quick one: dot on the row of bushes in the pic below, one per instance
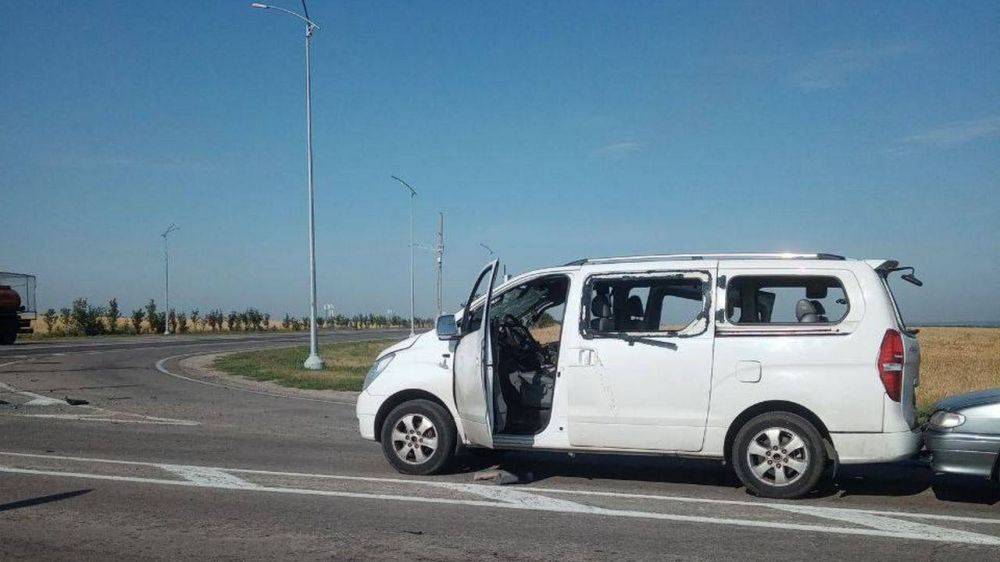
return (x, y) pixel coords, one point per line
(84, 319)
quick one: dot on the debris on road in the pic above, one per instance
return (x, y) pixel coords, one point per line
(503, 477)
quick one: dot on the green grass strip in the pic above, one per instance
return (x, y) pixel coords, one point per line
(346, 365)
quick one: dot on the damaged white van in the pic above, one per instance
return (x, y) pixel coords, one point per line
(779, 364)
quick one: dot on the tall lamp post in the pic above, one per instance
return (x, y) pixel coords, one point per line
(166, 278)
(413, 195)
(490, 255)
(312, 362)
(439, 254)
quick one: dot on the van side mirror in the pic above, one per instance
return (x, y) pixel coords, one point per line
(447, 328)
(912, 279)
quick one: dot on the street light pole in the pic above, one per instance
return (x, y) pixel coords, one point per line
(313, 362)
(491, 254)
(166, 279)
(440, 264)
(413, 195)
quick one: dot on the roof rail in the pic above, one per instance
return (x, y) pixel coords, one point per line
(737, 256)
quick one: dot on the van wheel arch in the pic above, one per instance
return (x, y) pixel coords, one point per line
(399, 398)
(776, 406)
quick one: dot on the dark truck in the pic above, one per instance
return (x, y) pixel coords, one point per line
(17, 305)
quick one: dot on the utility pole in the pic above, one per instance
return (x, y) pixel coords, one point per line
(439, 251)
(166, 278)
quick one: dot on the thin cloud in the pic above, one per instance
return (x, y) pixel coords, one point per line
(959, 132)
(618, 149)
(834, 67)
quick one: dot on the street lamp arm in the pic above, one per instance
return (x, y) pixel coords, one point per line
(413, 192)
(312, 25)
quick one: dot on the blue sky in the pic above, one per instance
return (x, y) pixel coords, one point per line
(548, 130)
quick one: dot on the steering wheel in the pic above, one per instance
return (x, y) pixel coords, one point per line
(524, 348)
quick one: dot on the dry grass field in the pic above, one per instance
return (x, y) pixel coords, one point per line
(957, 360)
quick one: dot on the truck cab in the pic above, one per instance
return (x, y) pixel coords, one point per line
(17, 305)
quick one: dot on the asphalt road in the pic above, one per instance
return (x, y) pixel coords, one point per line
(157, 466)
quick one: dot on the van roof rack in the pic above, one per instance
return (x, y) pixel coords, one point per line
(737, 256)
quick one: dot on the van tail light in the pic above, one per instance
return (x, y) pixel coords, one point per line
(890, 364)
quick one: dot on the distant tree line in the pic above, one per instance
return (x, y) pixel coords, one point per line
(84, 319)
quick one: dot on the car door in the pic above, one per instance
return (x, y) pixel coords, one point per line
(638, 381)
(473, 364)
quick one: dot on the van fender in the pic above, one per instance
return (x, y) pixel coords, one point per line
(778, 406)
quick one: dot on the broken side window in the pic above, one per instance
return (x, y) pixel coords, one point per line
(646, 304)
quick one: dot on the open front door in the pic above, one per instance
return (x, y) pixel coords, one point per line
(474, 363)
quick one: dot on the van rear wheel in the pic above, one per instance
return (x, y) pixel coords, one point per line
(418, 437)
(779, 455)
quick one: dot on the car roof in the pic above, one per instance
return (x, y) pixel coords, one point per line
(812, 256)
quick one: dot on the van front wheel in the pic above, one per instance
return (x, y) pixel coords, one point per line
(418, 437)
(779, 455)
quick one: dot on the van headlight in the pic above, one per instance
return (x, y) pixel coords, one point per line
(377, 369)
(946, 420)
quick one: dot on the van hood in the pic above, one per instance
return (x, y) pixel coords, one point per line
(400, 346)
(970, 400)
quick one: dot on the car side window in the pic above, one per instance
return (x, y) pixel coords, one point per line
(645, 304)
(785, 299)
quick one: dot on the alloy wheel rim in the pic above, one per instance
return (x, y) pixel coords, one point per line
(414, 438)
(777, 456)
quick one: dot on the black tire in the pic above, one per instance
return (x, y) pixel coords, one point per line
(8, 337)
(419, 421)
(801, 465)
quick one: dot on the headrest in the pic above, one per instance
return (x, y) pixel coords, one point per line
(600, 308)
(634, 306)
(805, 307)
(818, 306)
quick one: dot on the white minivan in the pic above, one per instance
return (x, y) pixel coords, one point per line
(779, 364)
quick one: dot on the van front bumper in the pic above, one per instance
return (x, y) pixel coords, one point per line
(366, 409)
(863, 448)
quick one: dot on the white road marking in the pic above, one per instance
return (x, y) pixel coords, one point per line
(45, 401)
(513, 496)
(762, 503)
(36, 399)
(99, 415)
(964, 537)
(208, 477)
(889, 524)
(106, 418)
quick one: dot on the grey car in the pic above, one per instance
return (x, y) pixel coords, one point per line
(963, 435)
